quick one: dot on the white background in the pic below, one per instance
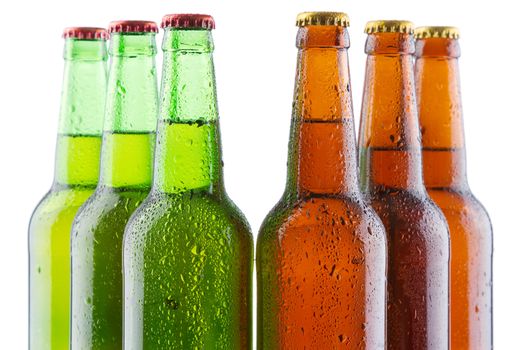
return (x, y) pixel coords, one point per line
(255, 61)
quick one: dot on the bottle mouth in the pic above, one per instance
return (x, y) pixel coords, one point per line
(390, 43)
(320, 36)
(437, 41)
(438, 48)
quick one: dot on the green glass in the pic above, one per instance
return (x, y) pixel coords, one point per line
(76, 174)
(125, 180)
(188, 250)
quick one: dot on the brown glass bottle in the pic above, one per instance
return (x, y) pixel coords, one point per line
(444, 169)
(391, 178)
(321, 250)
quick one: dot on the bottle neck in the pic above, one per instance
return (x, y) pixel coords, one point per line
(390, 149)
(188, 149)
(81, 112)
(131, 112)
(440, 113)
(322, 153)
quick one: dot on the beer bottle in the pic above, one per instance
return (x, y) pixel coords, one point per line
(392, 180)
(76, 173)
(125, 180)
(444, 169)
(188, 249)
(321, 250)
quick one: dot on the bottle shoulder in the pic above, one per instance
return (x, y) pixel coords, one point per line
(463, 211)
(59, 200)
(169, 213)
(106, 199)
(54, 214)
(457, 200)
(107, 209)
(403, 202)
(345, 213)
(412, 213)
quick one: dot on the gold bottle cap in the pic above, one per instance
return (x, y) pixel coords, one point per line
(322, 19)
(389, 26)
(436, 32)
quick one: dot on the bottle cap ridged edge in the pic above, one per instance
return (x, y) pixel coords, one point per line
(389, 26)
(445, 32)
(322, 19)
(85, 33)
(133, 27)
(188, 21)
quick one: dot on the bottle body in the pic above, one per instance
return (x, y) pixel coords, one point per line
(470, 268)
(418, 272)
(125, 181)
(188, 274)
(320, 270)
(321, 250)
(391, 178)
(49, 266)
(76, 168)
(96, 268)
(444, 162)
(188, 249)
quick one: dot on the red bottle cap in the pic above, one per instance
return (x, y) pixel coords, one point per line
(86, 33)
(189, 21)
(133, 27)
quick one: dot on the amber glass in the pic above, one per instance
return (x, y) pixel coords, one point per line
(444, 168)
(321, 250)
(391, 178)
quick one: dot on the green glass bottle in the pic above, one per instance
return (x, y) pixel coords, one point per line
(76, 174)
(125, 181)
(188, 250)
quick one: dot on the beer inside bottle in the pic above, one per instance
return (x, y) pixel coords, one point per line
(391, 178)
(125, 180)
(444, 169)
(76, 174)
(321, 251)
(188, 249)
